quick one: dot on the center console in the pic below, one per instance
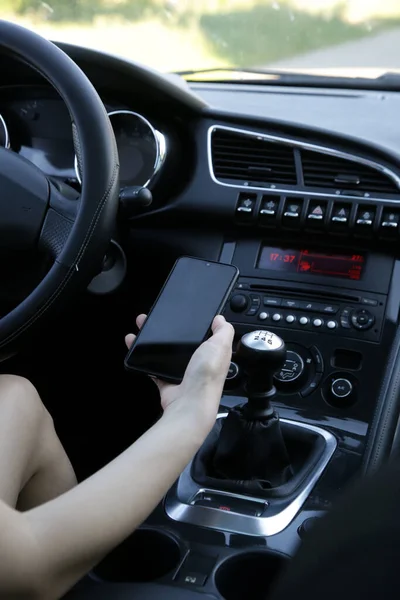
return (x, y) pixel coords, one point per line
(228, 536)
(337, 313)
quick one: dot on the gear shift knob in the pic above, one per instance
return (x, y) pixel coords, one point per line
(260, 353)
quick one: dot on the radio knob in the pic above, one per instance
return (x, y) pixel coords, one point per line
(362, 319)
(239, 303)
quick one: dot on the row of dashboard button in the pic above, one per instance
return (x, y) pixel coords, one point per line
(327, 309)
(303, 320)
(339, 216)
(239, 303)
(349, 317)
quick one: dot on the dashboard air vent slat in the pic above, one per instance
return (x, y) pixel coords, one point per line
(326, 171)
(240, 157)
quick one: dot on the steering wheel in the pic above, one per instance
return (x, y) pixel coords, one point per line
(34, 215)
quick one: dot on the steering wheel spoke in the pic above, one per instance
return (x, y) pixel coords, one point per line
(23, 202)
(58, 222)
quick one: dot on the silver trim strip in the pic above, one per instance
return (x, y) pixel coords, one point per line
(6, 134)
(275, 520)
(160, 141)
(306, 146)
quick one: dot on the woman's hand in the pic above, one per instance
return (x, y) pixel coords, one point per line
(199, 394)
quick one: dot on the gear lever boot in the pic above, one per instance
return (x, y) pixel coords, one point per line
(249, 447)
(252, 450)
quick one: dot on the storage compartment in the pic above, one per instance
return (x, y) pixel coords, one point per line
(146, 555)
(249, 575)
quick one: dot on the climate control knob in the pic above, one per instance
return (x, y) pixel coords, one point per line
(292, 369)
(239, 303)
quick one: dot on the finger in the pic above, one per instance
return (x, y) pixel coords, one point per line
(140, 320)
(222, 330)
(129, 339)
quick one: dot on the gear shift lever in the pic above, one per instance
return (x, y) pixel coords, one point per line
(249, 451)
(261, 354)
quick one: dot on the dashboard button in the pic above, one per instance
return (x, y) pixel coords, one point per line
(340, 216)
(330, 309)
(272, 301)
(316, 213)
(307, 305)
(304, 320)
(389, 224)
(290, 319)
(317, 322)
(317, 358)
(292, 211)
(239, 302)
(262, 316)
(276, 317)
(341, 388)
(369, 301)
(191, 578)
(345, 317)
(345, 323)
(288, 303)
(245, 206)
(269, 210)
(255, 299)
(331, 324)
(365, 218)
(253, 310)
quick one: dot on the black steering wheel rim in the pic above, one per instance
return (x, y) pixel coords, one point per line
(77, 241)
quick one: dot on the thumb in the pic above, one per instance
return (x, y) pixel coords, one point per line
(223, 331)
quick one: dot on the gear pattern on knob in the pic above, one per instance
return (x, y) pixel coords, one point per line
(262, 340)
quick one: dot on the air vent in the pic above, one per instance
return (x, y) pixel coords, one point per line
(325, 171)
(252, 159)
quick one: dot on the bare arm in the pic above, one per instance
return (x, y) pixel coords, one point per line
(58, 542)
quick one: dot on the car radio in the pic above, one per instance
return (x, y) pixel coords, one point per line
(351, 315)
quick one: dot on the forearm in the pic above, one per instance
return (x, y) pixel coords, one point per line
(77, 529)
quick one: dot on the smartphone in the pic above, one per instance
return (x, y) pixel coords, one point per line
(180, 320)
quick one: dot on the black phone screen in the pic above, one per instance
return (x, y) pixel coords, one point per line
(180, 319)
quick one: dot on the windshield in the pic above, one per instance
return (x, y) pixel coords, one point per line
(329, 37)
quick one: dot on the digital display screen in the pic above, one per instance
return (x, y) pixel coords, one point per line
(309, 262)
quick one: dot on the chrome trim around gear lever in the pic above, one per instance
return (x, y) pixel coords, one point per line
(278, 514)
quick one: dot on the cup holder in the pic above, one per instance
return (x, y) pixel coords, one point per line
(148, 554)
(249, 575)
